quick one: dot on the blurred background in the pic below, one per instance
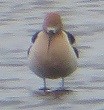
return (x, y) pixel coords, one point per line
(19, 20)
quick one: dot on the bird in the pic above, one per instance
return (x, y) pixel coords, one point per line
(52, 54)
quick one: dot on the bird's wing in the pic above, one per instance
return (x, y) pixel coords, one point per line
(34, 37)
(33, 40)
(70, 37)
(72, 41)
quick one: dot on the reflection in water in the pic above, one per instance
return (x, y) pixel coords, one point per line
(19, 20)
(52, 98)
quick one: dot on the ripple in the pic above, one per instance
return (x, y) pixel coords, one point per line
(42, 3)
(12, 65)
(90, 101)
(9, 102)
(89, 1)
(12, 88)
(12, 79)
(94, 66)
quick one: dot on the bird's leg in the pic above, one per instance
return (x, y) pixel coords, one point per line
(62, 86)
(44, 83)
(45, 87)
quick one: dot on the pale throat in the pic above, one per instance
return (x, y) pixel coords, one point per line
(52, 33)
(52, 29)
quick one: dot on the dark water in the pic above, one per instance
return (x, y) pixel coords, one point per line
(19, 20)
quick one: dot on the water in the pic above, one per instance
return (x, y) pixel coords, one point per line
(19, 20)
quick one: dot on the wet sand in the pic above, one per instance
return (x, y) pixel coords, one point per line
(18, 22)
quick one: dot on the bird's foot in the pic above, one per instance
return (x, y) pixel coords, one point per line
(63, 89)
(44, 89)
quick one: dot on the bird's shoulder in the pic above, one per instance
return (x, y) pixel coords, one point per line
(71, 38)
(34, 37)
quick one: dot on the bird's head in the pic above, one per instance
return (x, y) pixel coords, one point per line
(52, 24)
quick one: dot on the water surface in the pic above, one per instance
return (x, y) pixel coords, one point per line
(19, 20)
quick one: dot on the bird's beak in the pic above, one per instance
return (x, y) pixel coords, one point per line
(51, 30)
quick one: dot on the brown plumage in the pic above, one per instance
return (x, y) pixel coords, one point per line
(51, 55)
